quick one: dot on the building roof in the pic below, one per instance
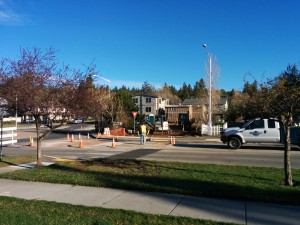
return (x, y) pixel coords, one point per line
(150, 96)
(146, 95)
(202, 101)
(178, 106)
(222, 101)
(194, 101)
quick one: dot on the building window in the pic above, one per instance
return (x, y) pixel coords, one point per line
(159, 101)
(148, 109)
(148, 100)
(136, 100)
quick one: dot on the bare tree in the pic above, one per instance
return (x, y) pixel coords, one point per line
(44, 91)
(98, 104)
(165, 92)
(279, 98)
(282, 95)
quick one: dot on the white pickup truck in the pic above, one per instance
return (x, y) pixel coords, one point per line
(257, 131)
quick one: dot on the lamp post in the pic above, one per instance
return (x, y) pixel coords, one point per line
(1, 136)
(95, 75)
(209, 127)
(16, 112)
(101, 77)
(2, 110)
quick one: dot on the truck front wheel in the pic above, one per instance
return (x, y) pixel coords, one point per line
(234, 143)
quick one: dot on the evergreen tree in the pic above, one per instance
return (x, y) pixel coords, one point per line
(185, 92)
(199, 90)
(147, 88)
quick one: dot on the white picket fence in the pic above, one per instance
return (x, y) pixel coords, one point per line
(8, 134)
(215, 130)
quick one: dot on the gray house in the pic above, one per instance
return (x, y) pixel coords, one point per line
(150, 104)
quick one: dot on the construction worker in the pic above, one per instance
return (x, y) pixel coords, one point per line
(143, 133)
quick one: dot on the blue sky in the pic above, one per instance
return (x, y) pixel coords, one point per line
(159, 41)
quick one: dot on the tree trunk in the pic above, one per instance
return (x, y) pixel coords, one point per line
(39, 161)
(287, 159)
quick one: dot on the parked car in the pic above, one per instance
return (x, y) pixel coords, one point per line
(77, 120)
(28, 121)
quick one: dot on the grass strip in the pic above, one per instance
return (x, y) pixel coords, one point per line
(27, 212)
(219, 181)
(16, 160)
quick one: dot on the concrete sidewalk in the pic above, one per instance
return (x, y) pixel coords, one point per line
(155, 203)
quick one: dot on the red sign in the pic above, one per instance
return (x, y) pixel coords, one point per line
(134, 114)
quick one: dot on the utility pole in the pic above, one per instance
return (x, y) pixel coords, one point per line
(16, 112)
(1, 136)
(209, 126)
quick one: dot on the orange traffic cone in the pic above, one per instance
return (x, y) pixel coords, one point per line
(88, 136)
(98, 135)
(79, 136)
(68, 137)
(113, 144)
(80, 144)
(173, 141)
(72, 137)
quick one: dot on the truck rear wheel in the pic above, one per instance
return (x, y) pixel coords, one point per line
(234, 143)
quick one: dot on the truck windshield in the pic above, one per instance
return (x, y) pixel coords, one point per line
(247, 123)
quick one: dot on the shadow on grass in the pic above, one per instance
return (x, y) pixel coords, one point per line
(175, 178)
(13, 164)
(8, 163)
(116, 162)
(134, 154)
(174, 185)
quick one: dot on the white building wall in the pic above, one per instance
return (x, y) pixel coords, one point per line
(144, 104)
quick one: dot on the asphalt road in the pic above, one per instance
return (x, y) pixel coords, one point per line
(185, 150)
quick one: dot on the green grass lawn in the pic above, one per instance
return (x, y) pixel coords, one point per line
(17, 211)
(16, 160)
(220, 181)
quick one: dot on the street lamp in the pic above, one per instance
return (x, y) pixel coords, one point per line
(107, 80)
(16, 112)
(209, 127)
(96, 75)
(1, 135)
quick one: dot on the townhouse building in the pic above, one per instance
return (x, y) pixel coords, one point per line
(150, 104)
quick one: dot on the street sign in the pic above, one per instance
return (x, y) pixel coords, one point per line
(134, 114)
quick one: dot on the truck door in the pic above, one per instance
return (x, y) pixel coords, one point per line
(273, 131)
(256, 132)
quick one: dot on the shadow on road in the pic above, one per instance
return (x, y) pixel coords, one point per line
(135, 154)
(269, 147)
(244, 147)
(209, 146)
